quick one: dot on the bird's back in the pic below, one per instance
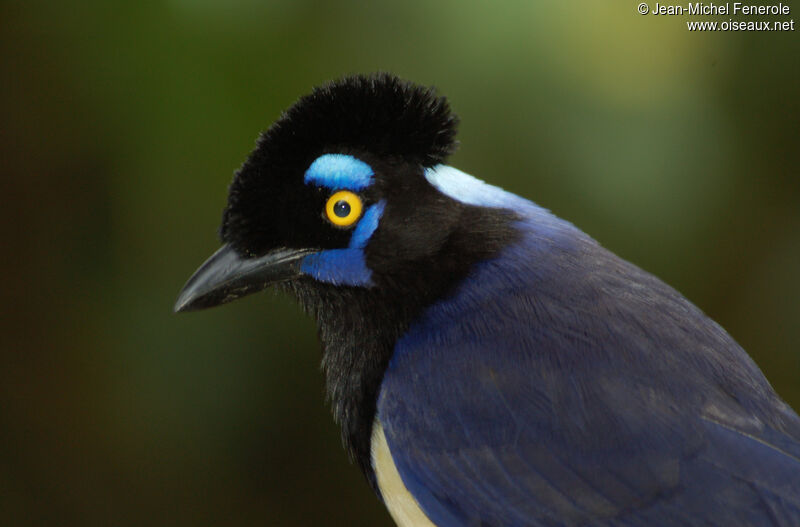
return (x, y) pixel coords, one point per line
(561, 385)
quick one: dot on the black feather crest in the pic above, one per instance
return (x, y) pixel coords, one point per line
(378, 113)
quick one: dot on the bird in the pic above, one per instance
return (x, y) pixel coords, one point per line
(489, 363)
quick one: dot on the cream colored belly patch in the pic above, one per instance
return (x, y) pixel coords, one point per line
(402, 506)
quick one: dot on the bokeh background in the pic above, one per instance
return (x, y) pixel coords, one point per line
(121, 124)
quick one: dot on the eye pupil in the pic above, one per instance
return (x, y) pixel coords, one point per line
(341, 208)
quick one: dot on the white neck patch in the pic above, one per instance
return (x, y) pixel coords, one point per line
(470, 190)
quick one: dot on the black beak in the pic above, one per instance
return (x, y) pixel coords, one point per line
(227, 276)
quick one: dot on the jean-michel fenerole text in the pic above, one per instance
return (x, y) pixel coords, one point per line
(728, 8)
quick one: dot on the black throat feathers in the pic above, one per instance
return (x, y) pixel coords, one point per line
(358, 327)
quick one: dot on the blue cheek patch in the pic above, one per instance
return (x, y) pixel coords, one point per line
(337, 171)
(347, 266)
(338, 267)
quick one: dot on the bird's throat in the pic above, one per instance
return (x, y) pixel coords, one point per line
(359, 326)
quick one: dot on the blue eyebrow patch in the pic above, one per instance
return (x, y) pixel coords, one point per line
(336, 171)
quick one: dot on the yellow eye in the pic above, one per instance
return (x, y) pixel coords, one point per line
(343, 208)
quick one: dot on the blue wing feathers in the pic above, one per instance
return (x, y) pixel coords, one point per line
(562, 386)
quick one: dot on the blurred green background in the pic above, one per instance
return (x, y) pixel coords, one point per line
(122, 124)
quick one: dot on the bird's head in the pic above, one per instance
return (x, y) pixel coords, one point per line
(346, 203)
(338, 192)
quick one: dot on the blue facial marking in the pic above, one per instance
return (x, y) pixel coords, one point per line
(338, 267)
(337, 171)
(347, 266)
(367, 225)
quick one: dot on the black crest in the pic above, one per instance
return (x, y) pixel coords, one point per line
(376, 114)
